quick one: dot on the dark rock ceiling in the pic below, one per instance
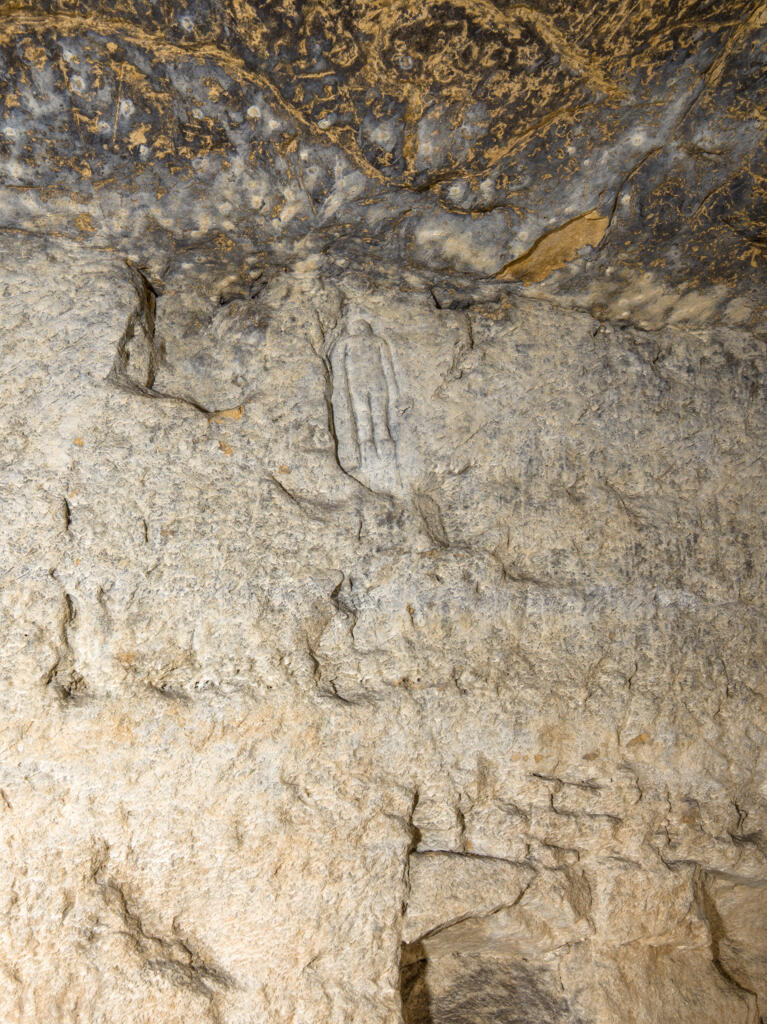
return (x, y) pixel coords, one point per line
(609, 154)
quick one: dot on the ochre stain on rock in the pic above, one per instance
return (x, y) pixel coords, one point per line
(463, 122)
(556, 248)
(85, 223)
(229, 414)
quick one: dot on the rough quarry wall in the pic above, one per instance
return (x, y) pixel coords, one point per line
(382, 622)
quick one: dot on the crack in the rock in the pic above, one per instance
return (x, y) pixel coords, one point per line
(716, 933)
(67, 682)
(472, 856)
(415, 836)
(144, 318)
(621, 188)
(472, 916)
(586, 784)
(174, 957)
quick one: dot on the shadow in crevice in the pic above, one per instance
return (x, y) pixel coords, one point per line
(414, 989)
(472, 987)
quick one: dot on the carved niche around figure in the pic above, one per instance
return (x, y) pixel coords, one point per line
(367, 408)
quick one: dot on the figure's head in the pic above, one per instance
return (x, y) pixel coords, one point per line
(358, 325)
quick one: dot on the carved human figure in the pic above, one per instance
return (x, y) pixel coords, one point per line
(365, 407)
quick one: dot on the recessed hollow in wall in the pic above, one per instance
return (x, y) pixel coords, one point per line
(478, 988)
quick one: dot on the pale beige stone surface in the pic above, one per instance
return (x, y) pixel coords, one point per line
(365, 661)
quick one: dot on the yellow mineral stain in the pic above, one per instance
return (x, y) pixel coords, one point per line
(225, 448)
(229, 414)
(643, 737)
(139, 135)
(556, 248)
(35, 54)
(363, 54)
(85, 223)
(79, 442)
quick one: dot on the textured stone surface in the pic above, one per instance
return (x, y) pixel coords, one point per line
(364, 660)
(384, 526)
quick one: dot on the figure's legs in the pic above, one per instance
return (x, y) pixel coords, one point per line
(366, 429)
(379, 415)
(354, 425)
(392, 388)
